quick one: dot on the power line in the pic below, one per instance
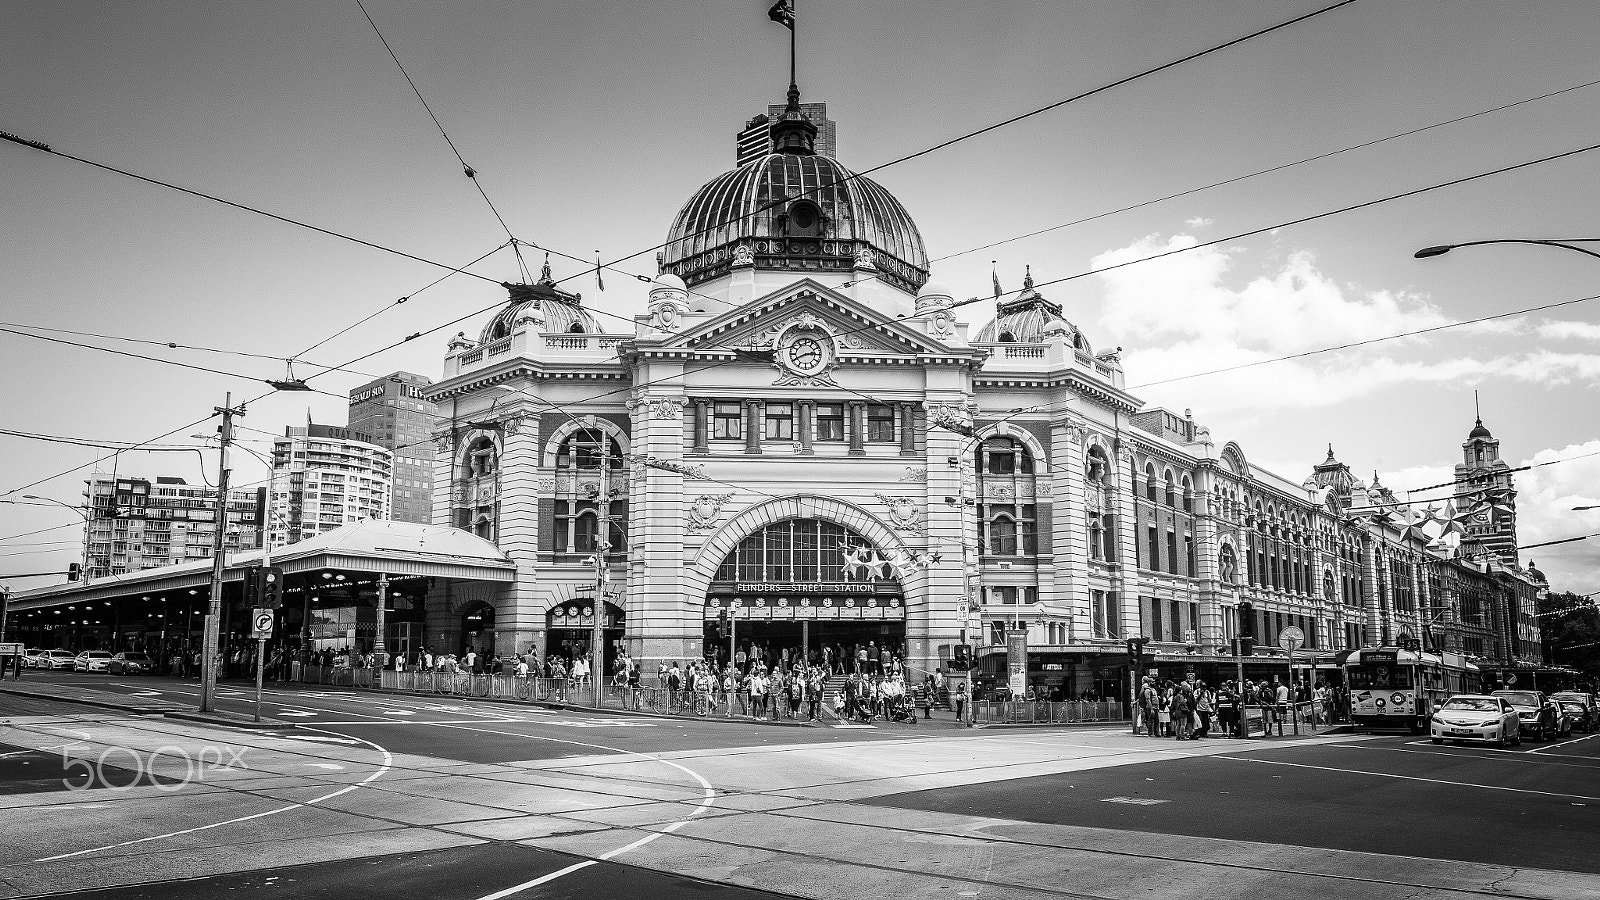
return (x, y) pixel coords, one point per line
(174, 345)
(154, 359)
(85, 442)
(1001, 124)
(1259, 172)
(45, 148)
(469, 171)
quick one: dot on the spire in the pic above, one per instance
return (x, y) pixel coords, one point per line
(792, 132)
(544, 272)
(1027, 277)
(1330, 452)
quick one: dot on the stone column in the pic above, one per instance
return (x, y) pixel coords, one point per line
(752, 426)
(702, 426)
(804, 426)
(857, 412)
(908, 432)
(1372, 614)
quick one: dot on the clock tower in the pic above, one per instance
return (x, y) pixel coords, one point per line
(1486, 494)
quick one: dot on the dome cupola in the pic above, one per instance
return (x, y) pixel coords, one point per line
(550, 309)
(795, 211)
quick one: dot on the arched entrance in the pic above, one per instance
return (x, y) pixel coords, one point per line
(569, 630)
(805, 588)
(477, 631)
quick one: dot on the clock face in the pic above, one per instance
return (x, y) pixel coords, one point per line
(805, 353)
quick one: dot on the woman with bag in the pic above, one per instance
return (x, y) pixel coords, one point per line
(1203, 708)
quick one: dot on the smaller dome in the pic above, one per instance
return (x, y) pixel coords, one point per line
(1479, 431)
(669, 280)
(553, 309)
(934, 295)
(1536, 575)
(1054, 326)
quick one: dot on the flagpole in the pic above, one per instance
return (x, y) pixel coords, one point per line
(794, 26)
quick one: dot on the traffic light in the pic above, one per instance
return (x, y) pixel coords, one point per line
(961, 660)
(74, 571)
(1244, 646)
(252, 586)
(1247, 620)
(722, 623)
(1136, 650)
(271, 592)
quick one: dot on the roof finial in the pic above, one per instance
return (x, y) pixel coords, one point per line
(1330, 452)
(792, 132)
(544, 273)
(1027, 277)
(1476, 409)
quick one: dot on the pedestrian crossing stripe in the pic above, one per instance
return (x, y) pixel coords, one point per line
(1136, 801)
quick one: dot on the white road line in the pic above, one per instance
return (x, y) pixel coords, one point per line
(710, 796)
(1562, 744)
(388, 760)
(1468, 784)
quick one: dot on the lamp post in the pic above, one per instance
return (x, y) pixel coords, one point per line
(86, 518)
(1565, 244)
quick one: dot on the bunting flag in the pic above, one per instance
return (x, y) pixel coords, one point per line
(598, 281)
(782, 12)
(993, 273)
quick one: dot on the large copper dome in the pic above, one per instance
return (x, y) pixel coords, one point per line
(795, 211)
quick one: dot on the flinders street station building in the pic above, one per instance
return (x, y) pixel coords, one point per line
(802, 445)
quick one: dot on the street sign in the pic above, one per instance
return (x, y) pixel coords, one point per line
(10, 649)
(261, 624)
(1291, 638)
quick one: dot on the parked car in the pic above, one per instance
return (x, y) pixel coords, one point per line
(1476, 717)
(92, 661)
(57, 659)
(1581, 707)
(1538, 716)
(131, 664)
(31, 657)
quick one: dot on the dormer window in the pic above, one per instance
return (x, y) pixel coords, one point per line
(804, 219)
(1007, 337)
(577, 328)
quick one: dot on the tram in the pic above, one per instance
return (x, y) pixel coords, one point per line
(1391, 687)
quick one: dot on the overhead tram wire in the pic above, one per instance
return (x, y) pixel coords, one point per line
(46, 148)
(469, 171)
(1259, 172)
(992, 127)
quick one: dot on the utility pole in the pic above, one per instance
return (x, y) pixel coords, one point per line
(219, 563)
(597, 648)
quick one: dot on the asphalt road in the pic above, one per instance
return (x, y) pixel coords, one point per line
(474, 871)
(1535, 806)
(446, 798)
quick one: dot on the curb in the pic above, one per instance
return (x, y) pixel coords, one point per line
(166, 712)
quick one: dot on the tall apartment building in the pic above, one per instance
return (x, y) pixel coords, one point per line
(323, 477)
(755, 140)
(392, 412)
(134, 524)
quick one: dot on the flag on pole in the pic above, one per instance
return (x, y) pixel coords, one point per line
(993, 273)
(782, 12)
(598, 281)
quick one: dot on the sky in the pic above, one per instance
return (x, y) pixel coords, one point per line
(588, 125)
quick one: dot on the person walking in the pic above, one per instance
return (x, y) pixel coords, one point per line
(960, 698)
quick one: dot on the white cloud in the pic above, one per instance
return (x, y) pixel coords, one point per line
(1569, 330)
(1180, 317)
(1198, 222)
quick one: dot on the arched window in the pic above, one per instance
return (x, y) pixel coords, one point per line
(577, 328)
(1004, 456)
(583, 450)
(1172, 489)
(1150, 482)
(1227, 565)
(1007, 337)
(482, 458)
(1002, 536)
(1188, 495)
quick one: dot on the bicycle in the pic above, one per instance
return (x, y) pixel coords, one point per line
(702, 704)
(653, 702)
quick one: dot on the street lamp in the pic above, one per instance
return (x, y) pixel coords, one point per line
(86, 518)
(1567, 244)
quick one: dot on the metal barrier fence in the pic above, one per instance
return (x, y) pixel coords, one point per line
(1044, 712)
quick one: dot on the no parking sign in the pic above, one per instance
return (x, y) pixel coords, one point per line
(261, 624)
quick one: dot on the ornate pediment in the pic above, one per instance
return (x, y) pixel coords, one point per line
(851, 326)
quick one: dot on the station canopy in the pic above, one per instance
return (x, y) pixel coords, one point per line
(395, 549)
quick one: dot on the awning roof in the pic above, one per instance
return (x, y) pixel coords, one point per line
(393, 548)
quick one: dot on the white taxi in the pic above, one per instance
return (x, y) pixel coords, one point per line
(1475, 717)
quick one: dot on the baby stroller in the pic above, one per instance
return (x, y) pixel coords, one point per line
(900, 711)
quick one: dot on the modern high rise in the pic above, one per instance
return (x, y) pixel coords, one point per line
(134, 524)
(392, 412)
(755, 140)
(323, 477)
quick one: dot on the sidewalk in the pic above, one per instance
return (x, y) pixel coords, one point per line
(132, 704)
